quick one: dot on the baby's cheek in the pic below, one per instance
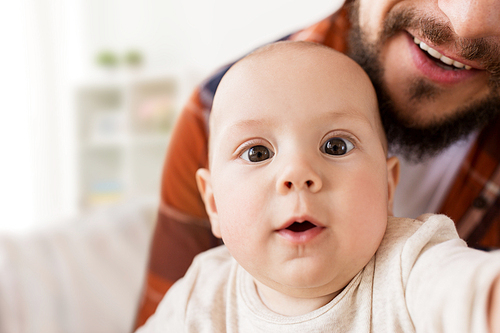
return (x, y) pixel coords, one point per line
(237, 224)
(371, 206)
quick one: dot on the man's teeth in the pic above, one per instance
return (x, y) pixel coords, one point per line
(439, 56)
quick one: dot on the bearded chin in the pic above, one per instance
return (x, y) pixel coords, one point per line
(406, 139)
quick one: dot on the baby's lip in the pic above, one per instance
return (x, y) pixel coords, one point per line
(300, 230)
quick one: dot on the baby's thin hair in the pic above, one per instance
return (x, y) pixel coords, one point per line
(299, 45)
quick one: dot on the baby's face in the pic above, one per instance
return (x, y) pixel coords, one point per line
(298, 183)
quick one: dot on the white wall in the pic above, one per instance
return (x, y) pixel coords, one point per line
(41, 50)
(196, 33)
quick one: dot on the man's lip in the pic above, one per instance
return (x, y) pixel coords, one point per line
(432, 71)
(446, 53)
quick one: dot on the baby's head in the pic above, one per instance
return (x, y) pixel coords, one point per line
(299, 186)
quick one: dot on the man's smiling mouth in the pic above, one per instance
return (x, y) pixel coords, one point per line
(451, 64)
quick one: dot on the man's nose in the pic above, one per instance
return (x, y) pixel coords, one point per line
(473, 18)
(297, 176)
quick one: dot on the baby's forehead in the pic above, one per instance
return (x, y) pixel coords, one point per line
(277, 63)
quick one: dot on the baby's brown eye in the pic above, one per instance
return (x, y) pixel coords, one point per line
(256, 154)
(337, 146)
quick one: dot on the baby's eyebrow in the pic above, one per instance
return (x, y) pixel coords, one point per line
(334, 114)
(348, 114)
(243, 124)
(255, 123)
(340, 117)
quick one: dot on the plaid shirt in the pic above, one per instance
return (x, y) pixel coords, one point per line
(473, 201)
(183, 230)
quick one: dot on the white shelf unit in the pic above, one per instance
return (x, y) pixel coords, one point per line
(124, 127)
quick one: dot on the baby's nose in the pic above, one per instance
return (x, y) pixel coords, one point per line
(299, 176)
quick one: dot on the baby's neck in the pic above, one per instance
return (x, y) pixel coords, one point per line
(289, 305)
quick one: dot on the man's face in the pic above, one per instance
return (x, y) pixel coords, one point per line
(428, 103)
(298, 171)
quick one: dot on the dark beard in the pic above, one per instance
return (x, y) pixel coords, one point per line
(417, 143)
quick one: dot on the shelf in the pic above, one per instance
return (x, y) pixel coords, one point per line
(124, 129)
(104, 143)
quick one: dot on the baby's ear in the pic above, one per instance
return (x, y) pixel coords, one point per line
(392, 181)
(204, 181)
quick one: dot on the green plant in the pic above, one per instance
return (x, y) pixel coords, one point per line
(107, 59)
(133, 58)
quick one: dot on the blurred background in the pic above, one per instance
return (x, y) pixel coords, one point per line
(91, 88)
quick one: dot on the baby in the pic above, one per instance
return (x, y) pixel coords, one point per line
(300, 189)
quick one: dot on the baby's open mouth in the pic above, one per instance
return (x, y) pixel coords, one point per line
(301, 231)
(301, 226)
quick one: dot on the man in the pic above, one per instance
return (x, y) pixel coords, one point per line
(436, 69)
